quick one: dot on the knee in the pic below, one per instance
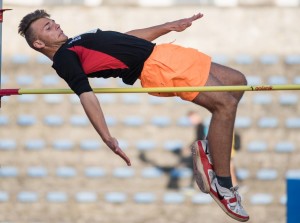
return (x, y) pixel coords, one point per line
(241, 80)
(228, 105)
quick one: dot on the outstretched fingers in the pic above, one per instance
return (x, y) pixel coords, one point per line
(114, 146)
(120, 153)
(182, 24)
(196, 16)
(188, 21)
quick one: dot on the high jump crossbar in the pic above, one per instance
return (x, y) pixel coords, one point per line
(21, 91)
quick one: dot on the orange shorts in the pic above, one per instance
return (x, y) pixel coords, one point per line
(170, 65)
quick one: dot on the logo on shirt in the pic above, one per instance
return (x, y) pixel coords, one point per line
(76, 38)
(91, 31)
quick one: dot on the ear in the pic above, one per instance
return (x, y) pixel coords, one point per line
(38, 44)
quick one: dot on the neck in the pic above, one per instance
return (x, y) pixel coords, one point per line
(50, 51)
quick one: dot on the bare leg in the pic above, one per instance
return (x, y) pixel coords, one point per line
(223, 106)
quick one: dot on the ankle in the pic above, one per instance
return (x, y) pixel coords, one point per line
(225, 181)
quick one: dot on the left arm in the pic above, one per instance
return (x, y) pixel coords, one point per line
(154, 32)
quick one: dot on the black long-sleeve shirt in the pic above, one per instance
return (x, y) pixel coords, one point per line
(102, 54)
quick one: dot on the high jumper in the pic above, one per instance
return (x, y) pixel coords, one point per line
(132, 56)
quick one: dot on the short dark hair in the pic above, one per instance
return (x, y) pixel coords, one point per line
(24, 26)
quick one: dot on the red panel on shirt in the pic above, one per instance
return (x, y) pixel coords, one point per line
(93, 61)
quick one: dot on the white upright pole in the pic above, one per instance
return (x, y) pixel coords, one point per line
(1, 46)
(1, 21)
(0, 43)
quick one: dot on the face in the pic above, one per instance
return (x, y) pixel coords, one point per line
(48, 33)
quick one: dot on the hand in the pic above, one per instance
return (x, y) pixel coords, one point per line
(182, 24)
(114, 146)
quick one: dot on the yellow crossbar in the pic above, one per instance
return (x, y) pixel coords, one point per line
(167, 89)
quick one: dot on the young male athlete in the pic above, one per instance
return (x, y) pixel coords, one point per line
(133, 56)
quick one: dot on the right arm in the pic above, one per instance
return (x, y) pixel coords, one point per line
(68, 67)
(94, 112)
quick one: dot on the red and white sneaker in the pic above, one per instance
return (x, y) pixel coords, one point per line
(203, 168)
(228, 199)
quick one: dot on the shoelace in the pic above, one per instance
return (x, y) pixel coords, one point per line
(235, 192)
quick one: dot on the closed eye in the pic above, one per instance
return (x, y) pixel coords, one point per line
(47, 26)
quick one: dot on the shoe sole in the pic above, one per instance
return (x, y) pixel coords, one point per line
(199, 173)
(202, 181)
(225, 209)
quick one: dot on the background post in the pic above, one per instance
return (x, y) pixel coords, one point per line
(293, 197)
(1, 21)
(1, 16)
